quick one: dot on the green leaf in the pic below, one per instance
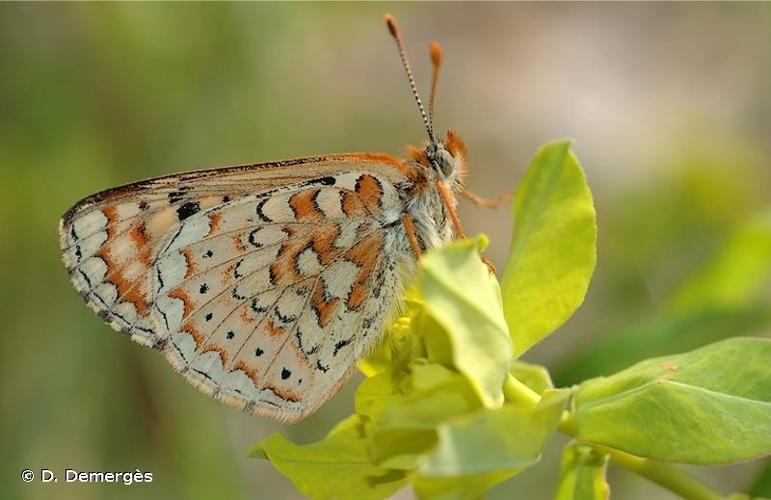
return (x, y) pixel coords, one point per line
(461, 296)
(708, 406)
(458, 488)
(553, 248)
(475, 452)
(373, 394)
(492, 440)
(406, 427)
(582, 474)
(534, 376)
(337, 467)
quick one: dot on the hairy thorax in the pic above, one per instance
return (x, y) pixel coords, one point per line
(424, 205)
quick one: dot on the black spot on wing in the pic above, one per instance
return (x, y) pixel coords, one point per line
(286, 319)
(175, 196)
(340, 345)
(187, 209)
(272, 275)
(260, 213)
(299, 335)
(253, 239)
(324, 181)
(257, 308)
(74, 236)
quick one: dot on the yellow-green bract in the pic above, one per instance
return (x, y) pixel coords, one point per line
(553, 248)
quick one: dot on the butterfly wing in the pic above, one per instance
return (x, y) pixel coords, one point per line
(261, 284)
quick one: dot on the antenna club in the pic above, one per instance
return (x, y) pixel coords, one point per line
(435, 50)
(393, 26)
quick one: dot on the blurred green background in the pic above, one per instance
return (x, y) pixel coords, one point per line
(670, 106)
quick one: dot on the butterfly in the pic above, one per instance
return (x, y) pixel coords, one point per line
(264, 284)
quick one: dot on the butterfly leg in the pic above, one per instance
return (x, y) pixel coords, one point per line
(486, 202)
(489, 264)
(412, 235)
(449, 206)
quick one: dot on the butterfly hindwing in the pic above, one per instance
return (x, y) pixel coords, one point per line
(261, 284)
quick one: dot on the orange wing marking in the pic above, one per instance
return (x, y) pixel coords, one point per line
(141, 242)
(323, 309)
(304, 206)
(191, 267)
(370, 191)
(218, 349)
(365, 254)
(181, 294)
(251, 372)
(127, 289)
(215, 219)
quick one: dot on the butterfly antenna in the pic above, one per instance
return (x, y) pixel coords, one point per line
(393, 28)
(435, 50)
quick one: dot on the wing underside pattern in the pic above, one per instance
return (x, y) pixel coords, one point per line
(262, 288)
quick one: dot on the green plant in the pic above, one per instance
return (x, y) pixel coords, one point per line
(448, 407)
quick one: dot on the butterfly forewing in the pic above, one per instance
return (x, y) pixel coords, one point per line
(261, 284)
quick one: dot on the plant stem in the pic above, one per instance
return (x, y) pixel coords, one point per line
(665, 475)
(514, 390)
(668, 476)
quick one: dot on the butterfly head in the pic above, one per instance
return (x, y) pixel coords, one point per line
(447, 158)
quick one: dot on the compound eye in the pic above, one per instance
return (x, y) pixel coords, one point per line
(446, 162)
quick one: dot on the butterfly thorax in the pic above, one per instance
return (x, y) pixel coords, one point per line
(442, 165)
(428, 212)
